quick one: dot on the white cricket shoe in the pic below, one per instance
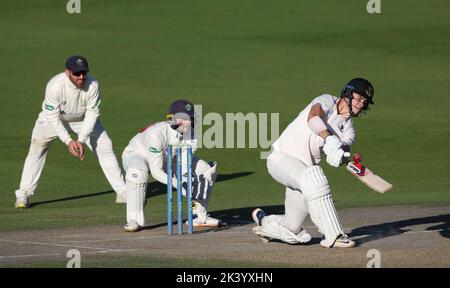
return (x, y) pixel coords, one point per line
(205, 221)
(304, 236)
(342, 241)
(258, 215)
(132, 226)
(22, 202)
(121, 198)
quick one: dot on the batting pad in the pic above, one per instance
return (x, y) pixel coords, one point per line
(136, 183)
(322, 209)
(316, 190)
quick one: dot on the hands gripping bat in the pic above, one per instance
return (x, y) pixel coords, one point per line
(366, 176)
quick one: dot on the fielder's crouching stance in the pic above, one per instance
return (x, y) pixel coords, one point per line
(325, 125)
(147, 153)
(71, 104)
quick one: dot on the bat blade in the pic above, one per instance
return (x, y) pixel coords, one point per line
(366, 176)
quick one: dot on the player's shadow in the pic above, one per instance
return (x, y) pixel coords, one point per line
(156, 188)
(237, 217)
(439, 223)
(33, 204)
(230, 218)
(153, 189)
(242, 216)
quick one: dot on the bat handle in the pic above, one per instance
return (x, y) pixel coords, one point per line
(357, 158)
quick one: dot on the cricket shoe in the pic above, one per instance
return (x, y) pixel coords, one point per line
(132, 226)
(205, 221)
(121, 198)
(22, 202)
(258, 215)
(304, 236)
(342, 241)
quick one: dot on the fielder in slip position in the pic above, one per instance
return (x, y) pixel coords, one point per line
(147, 153)
(71, 104)
(324, 126)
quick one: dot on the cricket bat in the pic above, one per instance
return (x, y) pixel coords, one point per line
(366, 176)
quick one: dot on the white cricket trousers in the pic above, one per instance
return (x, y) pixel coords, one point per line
(287, 170)
(43, 134)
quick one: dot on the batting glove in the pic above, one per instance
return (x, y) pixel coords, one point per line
(332, 144)
(335, 158)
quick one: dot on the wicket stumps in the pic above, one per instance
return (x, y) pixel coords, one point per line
(178, 151)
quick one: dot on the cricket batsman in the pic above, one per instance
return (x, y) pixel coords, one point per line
(146, 154)
(325, 128)
(71, 104)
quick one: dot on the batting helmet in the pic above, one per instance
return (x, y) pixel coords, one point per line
(362, 87)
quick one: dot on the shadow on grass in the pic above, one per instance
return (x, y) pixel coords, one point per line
(153, 189)
(230, 218)
(33, 204)
(384, 230)
(242, 216)
(440, 223)
(156, 188)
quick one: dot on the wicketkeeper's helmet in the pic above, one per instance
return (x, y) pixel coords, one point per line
(180, 109)
(363, 88)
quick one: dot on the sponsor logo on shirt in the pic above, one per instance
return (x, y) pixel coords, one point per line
(154, 150)
(326, 104)
(49, 107)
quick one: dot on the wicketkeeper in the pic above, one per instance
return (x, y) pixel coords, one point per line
(71, 104)
(147, 153)
(324, 127)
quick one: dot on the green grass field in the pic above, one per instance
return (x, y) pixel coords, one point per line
(230, 56)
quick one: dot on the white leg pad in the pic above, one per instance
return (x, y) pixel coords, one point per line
(136, 184)
(274, 227)
(296, 209)
(321, 207)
